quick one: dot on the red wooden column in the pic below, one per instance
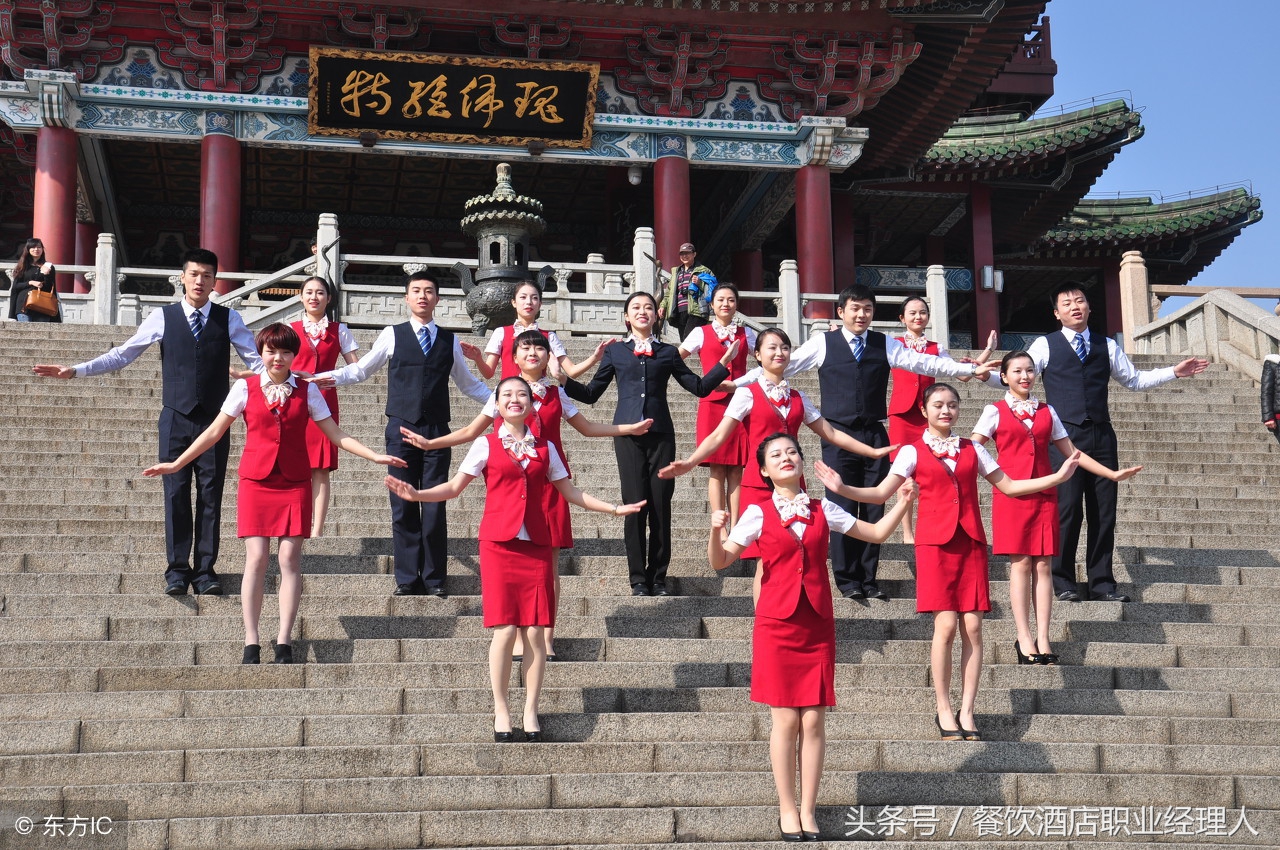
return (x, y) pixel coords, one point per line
(54, 219)
(220, 194)
(845, 266)
(814, 258)
(1111, 296)
(86, 250)
(986, 303)
(671, 199)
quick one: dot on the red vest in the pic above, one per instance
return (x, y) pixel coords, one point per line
(947, 499)
(320, 355)
(789, 565)
(545, 422)
(275, 438)
(515, 495)
(908, 387)
(764, 420)
(1024, 452)
(713, 349)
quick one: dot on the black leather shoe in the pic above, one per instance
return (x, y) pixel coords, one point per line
(284, 654)
(968, 734)
(873, 592)
(208, 588)
(177, 587)
(1068, 596)
(252, 654)
(1033, 658)
(1109, 597)
(661, 590)
(435, 591)
(639, 590)
(503, 737)
(790, 836)
(811, 836)
(534, 737)
(410, 589)
(854, 593)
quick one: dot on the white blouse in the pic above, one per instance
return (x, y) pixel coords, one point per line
(238, 397)
(750, 525)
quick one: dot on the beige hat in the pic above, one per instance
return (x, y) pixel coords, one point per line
(688, 246)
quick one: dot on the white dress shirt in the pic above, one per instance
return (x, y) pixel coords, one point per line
(494, 346)
(904, 464)
(238, 397)
(750, 525)
(694, 341)
(989, 421)
(478, 457)
(151, 331)
(743, 401)
(813, 354)
(385, 345)
(568, 409)
(1123, 372)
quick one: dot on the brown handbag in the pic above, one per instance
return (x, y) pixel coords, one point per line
(39, 301)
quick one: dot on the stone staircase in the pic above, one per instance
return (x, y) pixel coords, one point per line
(1158, 726)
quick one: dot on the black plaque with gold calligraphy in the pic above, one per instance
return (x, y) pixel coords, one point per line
(429, 97)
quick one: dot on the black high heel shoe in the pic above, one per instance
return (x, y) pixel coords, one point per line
(791, 836)
(503, 737)
(1047, 657)
(1033, 658)
(967, 734)
(252, 654)
(949, 734)
(533, 736)
(284, 654)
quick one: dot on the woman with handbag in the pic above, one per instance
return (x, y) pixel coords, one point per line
(31, 295)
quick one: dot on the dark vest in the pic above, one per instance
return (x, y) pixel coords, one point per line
(195, 373)
(853, 390)
(418, 385)
(1077, 391)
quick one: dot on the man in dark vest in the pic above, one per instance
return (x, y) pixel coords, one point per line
(1076, 367)
(423, 358)
(853, 364)
(195, 337)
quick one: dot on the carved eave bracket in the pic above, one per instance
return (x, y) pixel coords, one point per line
(55, 91)
(362, 24)
(830, 75)
(832, 144)
(674, 74)
(68, 38)
(532, 38)
(224, 44)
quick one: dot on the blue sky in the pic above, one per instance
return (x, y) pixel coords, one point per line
(1206, 86)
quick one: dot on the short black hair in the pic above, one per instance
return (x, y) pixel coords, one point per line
(855, 292)
(1009, 358)
(933, 389)
(905, 301)
(534, 338)
(767, 332)
(201, 257)
(421, 275)
(1067, 286)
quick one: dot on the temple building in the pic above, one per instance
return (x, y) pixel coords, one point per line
(865, 139)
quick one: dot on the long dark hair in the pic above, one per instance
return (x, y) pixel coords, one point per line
(24, 262)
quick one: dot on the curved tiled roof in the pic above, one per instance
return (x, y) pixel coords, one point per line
(999, 141)
(1136, 221)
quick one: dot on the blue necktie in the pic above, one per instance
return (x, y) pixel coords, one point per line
(1080, 349)
(424, 339)
(858, 344)
(197, 324)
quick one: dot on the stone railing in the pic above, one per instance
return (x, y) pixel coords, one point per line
(1218, 324)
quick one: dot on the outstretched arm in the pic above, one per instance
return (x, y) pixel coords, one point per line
(465, 434)
(450, 489)
(823, 429)
(721, 552)
(1025, 487)
(588, 428)
(877, 495)
(705, 449)
(348, 443)
(585, 500)
(879, 532)
(1088, 464)
(577, 370)
(203, 443)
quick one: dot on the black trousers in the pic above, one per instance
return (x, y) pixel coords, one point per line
(648, 533)
(1087, 497)
(419, 531)
(854, 562)
(182, 531)
(684, 323)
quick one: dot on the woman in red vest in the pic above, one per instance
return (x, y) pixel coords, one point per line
(1026, 529)
(517, 588)
(710, 342)
(322, 341)
(793, 643)
(498, 356)
(274, 498)
(951, 546)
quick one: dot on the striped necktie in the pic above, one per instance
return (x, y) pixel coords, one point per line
(424, 339)
(1081, 351)
(858, 345)
(197, 324)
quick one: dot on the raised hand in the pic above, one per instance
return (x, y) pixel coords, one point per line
(327, 382)
(46, 370)
(675, 469)
(1125, 474)
(160, 469)
(390, 460)
(828, 476)
(246, 374)
(634, 508)
(1190, 366)
(719, 519)
(886, 451)
(993, 341)
(638, 428)
(471, 351)
(401, 488)
(416, 440)
(1069, 466)
(730, 353)
(908, 491)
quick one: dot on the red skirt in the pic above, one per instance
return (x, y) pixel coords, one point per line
(793, 661)
(734, 451)
(273, 507)
(556, 510)
(953, 576)
(1027, 525)
(905, 429)
(322, 453)
(517, 584)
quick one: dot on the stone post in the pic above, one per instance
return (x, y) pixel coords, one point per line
(642, 249)
(327, 259)
(595, 280)
(1135, 297)
(935, 290)
(106, 286)
(790, 316)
